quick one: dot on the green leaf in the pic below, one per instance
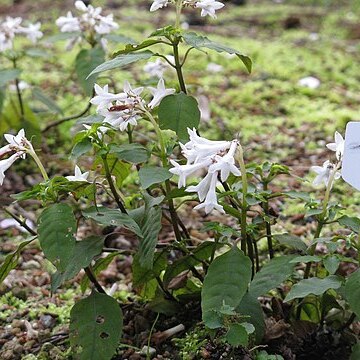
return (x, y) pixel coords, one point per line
(56, 230)
(199, 42)
(166, 31)
(81, 148)
(237, 335)
(352, 223)
(62, 37)
(352, 291)
(112, 217)
(2, 98)
(8, 75)
(150, 229)
(271, 275)
(151, 175)
(86, 60)
(84, 252)
(11, 260)
(314, 286)
(96, 327)
(250, 307)
(129, 48)
(121, 61)
(225, 283)
(133, 153)
(119, 38)
(100, 265)
(49, 103)
(36, 52)
(142, 275)
(178, 112)
(306, 259)
(292, 241)
(298, 195)
(331, 263)
(91, 119)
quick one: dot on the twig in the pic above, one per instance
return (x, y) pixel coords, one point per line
(93, 279)
(65, 119)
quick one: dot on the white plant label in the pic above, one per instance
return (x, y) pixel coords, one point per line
(350, 170)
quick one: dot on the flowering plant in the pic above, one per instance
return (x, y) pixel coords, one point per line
(131, 186)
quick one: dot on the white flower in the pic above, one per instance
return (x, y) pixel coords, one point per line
(22, 86)
(5, 164)
(106, 24)
(159, 93)
(215, 157)
(155, 68)
(18, 143)
(208, 7)
(210, 202)
(119, 119)
(133, 95)
(183, 171)
(158, 4)
(104, 98)
(337, 146)
(80, 5)
(309, 82)
(79, 176)
(68, 23)
(32, 32)
(324, 173)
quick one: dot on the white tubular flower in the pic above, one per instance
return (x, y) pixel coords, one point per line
(18, 143)
(79, 176)
(210, 202)
(133, 95)
(119, 119)
(5, 164)
(208, 7)
(337, 146)
(216, 157)
(324, 173)
(159, 93)
(183, 171)
(68, 23)
(158, 4)
(104, 98)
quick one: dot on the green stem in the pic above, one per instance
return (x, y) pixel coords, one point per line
(173, 214)
(178, 66)
(112, 186)
(18, 91)
(44, 174)
(267, 224)
(178, 13)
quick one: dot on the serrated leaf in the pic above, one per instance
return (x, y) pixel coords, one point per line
(56, 230)
(49, 103)
(150, 228)
(178, 112)
(112, 217)
(86, 60)
(352, 291)
(225, 283)
(129, 48)
(121, 61)
(84, 251)
(151, 175)
(8, 75)
(199, 42)
(292, 241)
(271, 275)
(96, 325)
(315, 286)
(133, 153)
(11, 260)
(352, 223)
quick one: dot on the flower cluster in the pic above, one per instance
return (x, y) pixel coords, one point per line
(125, 108)
(216, 157)
(90, 22)
(10, 27)
(18, 145)
(208, 7)
(329, 170)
